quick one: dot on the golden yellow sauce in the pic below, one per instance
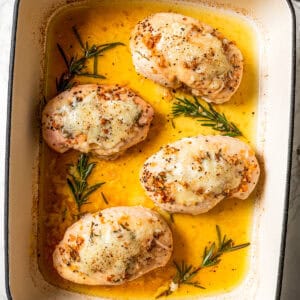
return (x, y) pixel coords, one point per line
(112, 21)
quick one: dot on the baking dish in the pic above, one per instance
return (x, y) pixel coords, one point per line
(276, 95)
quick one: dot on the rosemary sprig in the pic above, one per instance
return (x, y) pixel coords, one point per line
(211, 257)
(77, 180)
(206, 115)
(76, 65)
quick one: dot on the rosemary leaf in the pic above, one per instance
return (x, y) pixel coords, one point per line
(238, 247)
(91, 75)
(104, 198)
(62, 52)
(86, 172)
(164, 293)
(91, 189)
(78, 37)
(105, 47)
(96, 65)
(195, 284)
(72, 188)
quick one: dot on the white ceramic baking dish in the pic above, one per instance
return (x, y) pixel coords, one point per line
(274, 24)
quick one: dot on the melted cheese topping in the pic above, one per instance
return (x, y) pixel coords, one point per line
(191, 170)
(111, 246)
(81, 117)
(104, 122)
(178, 47)
(116, 247)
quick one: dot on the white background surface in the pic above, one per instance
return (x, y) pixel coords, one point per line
(291, 280)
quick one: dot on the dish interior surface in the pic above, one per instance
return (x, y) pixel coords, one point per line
(107, 22)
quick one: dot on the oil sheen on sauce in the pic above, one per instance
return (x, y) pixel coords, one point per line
(108, 21)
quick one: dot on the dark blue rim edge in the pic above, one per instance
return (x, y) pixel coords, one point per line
(290, 156)
(8, 133)
(7, 146)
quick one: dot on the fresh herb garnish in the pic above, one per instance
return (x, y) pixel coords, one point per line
(77, 180)
(211, 257)
(76, 65)
(104, 198)
(206, 115)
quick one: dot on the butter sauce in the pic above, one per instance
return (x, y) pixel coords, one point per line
(110, 21)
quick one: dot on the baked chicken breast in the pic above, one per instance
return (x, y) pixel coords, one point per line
(178, 51)
(113, 246)
(194, 174)
(102, 119)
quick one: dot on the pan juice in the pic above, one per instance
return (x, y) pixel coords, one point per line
(112, 21)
